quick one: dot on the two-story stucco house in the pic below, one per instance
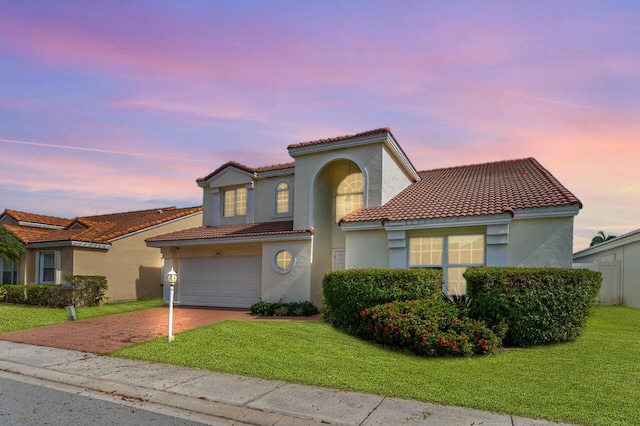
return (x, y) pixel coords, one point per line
(271, 233)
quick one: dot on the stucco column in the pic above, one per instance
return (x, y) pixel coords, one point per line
(167, 264)
(250, 202)
(497, 245)
(397, 249)
(216, 212)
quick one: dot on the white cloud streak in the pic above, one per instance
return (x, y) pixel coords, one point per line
(102, 151)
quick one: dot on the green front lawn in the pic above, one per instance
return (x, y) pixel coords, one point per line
(593, 380)
(20, 317)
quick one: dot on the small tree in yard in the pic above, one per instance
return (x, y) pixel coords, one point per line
(10, 246)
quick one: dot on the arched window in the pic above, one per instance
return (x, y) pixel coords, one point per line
(282, 198)
(349, 196)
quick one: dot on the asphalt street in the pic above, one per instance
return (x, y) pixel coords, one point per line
(32, 404)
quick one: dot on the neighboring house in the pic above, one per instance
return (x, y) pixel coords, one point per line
(272, 232)
(619, 262)
(111, 245)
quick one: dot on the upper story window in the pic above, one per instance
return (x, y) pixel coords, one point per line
(235, 202)
(453, 253)
(283, 196)
(350, 195)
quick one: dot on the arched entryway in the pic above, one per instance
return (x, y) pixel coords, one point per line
(338, 189)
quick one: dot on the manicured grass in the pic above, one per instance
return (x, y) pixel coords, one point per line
(19, 317)
(593, 380)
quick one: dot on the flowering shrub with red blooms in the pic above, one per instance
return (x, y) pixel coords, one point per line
(428, 327)
(346, 293)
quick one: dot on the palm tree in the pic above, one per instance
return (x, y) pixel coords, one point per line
(10, 247)
(601, 238)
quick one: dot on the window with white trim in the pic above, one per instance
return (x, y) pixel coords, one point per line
(9, 271)
(453, 253)
(48, 266)
(235, 202)
(349, 195)
(283, 197)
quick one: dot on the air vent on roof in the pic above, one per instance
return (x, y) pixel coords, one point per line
(159, 211)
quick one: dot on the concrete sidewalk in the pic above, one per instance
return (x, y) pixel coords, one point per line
(223, 399)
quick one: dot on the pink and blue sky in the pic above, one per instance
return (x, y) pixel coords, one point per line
(120, 105)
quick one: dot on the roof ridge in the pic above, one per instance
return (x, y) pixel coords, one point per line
(487, 163)
(11, 212)
(254, 170)
(127, 212)
(340, 138)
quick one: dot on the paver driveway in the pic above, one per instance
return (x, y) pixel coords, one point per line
(104, 334)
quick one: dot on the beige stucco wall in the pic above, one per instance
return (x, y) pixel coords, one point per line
(265, 198)
(207, 207)
(229, 178)
(309, 166)
(133, 270)
(293, 286)
(541, 242)
(27, 273)
(394, 179)
(367, 249)
(316, 178)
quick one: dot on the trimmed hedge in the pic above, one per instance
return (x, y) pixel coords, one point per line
(80, 290)
(539, 305)
(428, 327)
(347, 293)
(277, 309)
(87, 290)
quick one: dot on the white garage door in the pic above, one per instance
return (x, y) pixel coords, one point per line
(232, 282)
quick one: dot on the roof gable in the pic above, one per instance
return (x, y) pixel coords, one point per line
(37, 220)
(377, 136)
(246, 170)
(473, 190)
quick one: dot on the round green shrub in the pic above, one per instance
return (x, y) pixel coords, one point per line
(346, 293)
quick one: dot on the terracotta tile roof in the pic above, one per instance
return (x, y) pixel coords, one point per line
(103, 228)
(481, 189)
(246, 230)
(247, 169)
(27, 234)
(339, 138)
(37, 218)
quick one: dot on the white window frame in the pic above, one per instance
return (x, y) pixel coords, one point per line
(446, 265)
(14, 265)
(40, 269)
(289, 192)
(237, 210)
(344, 191)
(338, 261)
